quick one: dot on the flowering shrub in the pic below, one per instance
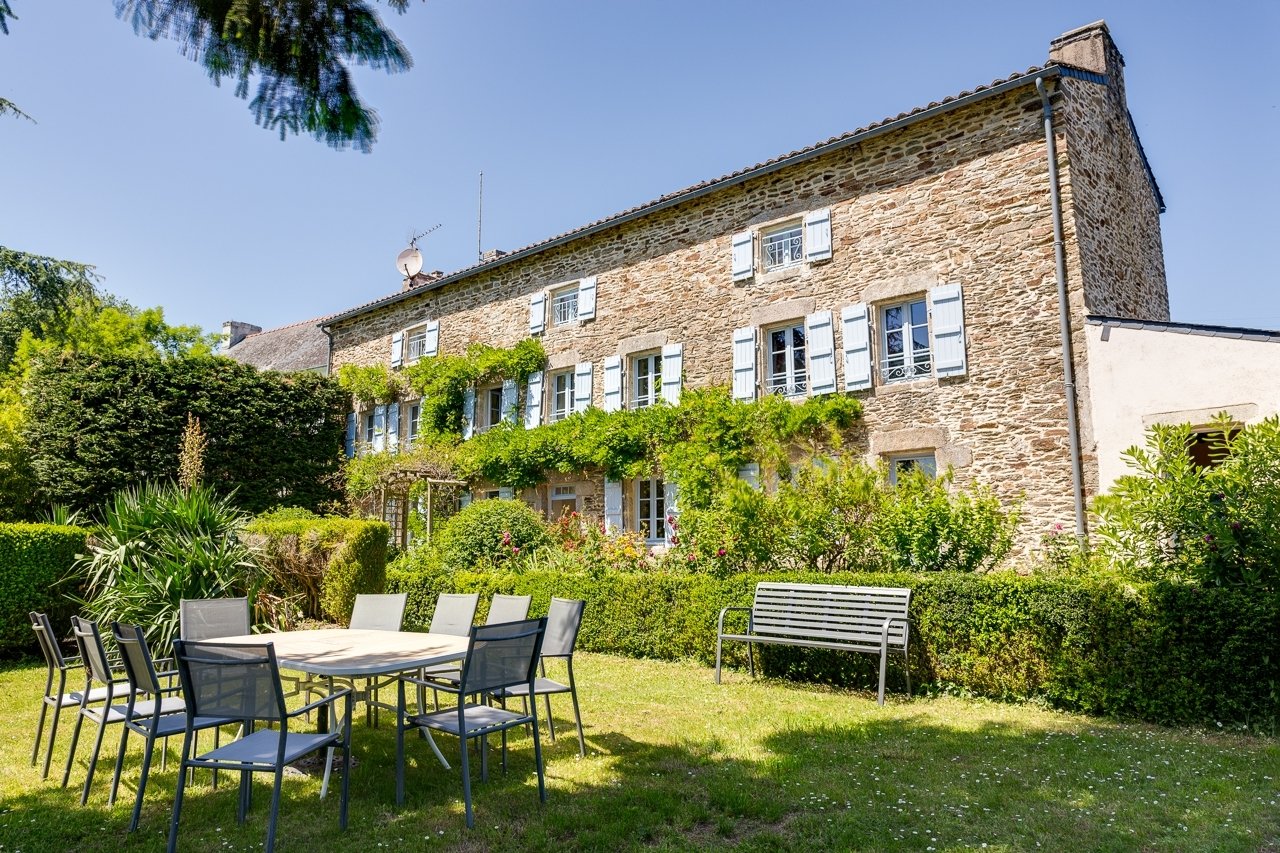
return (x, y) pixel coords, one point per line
(488, 534)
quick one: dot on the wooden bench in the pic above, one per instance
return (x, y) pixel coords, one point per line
(870, 619)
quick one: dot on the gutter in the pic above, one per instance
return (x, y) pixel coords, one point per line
(706, 189)
(1064, 314)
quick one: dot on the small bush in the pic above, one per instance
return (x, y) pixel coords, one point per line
(34, 560)
(490, 533)
(321, 564)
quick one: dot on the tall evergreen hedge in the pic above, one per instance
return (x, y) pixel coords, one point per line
(35, 559)
(1163, 652)
(95, 425)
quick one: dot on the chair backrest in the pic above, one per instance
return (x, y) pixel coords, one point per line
(48, 641)
(211, 618)
(564, 618)
(89, 639)
(503, 655)
(240, 681)
(139, 667)
(379, 612)
(454, 614)
(508, 608)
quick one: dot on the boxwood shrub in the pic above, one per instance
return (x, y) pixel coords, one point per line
(35, 560)
(322, 562)
(1162, 652)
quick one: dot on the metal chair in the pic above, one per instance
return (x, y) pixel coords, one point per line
(242, 682)
(498, 657)
(503, 608)
(97, 668)
(60, 698)
(454, 614)
(375, 613)
(144, 682)
(564, 619)
(213, 618)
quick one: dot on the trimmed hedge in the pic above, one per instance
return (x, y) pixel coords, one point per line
(1164, 653)
(324, 562)
(34, 560)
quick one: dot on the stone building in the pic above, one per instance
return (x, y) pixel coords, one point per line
(910, 263)
(296, 347)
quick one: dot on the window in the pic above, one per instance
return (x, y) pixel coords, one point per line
(488, 408)
(783, 247)
(415, 343)
(564, 500)
(922, 462)
(651, 510)
(787, 372)
(1208, 448)
(561, 395)
(369, 425)
(564, 306)
(489, 494)
(646, 383)
(904, 342)
(415, 413)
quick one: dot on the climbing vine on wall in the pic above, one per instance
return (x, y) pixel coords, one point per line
(369, 385)
(444, 379)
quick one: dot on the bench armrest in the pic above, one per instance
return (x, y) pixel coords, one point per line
(720, 622)
(884, 630)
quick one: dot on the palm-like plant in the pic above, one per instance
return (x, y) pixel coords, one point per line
(159, 544)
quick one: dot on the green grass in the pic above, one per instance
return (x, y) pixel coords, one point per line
(676, 763)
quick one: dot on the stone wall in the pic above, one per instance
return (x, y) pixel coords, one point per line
(961, 198)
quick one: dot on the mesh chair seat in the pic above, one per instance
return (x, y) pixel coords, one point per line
(478, 719)
(262, 748)
(146, 708)
(541, 686)
(66, 700)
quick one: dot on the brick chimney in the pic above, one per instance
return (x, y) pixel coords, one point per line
(492, 255)
(233, 332)
(1090, 48)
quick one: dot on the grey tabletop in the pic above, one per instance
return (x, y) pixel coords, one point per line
(356, 652)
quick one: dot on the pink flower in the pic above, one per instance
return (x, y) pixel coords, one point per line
(692, 557)
(720, 552)
(515, 550)
(506, 538)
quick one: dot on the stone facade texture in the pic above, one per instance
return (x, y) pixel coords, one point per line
(959, 198)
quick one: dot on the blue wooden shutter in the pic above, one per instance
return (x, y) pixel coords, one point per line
(613, 383)
(397, 349)
(533, 401)
(468, 413)
(431, 346)
(350, 447)
(744, 255)
(817, 235)
(393, 427)
(946, 321)
(506, 493)
(612, 506)
(510, 394)
(750, 474)
(857, 347)
(820, 338)
(587, 298)
(537, 313)
(672, 372)
(744, 363)
(464, 499)
(581, 386)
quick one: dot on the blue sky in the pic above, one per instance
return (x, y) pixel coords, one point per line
(575, 111)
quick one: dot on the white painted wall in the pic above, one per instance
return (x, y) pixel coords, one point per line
(1141, 377)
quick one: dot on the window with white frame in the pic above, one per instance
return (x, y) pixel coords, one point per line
(646, 380)
(415, 343)
(415, 414)
(488, 494)
(925, 463)
(782, 246)
(563, 501)
(372, 429)
(650, 516)
(564, 306)
(904, 342)
(561, 395)
(786, 369)
(488, 408)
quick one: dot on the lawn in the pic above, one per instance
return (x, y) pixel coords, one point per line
(676, 763)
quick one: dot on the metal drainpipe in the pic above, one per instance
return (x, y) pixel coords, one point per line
(1064, 313)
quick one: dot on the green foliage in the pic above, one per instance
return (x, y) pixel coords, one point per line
(443, 380)
(34, 561)
(1162, 652)
(837, 514)
(1217, 525)
(96, 425)
(490, 533)
(300, 55)
(159, 544)
(320, 564)
(370, 384)
(37, 294)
